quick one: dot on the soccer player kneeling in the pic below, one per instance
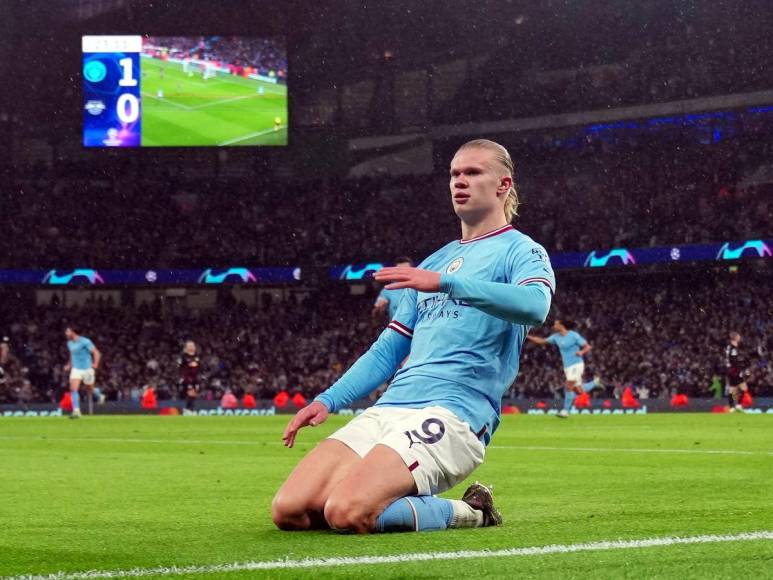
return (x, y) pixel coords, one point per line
(462, 322)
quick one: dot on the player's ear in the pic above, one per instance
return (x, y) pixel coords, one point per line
(505, 183)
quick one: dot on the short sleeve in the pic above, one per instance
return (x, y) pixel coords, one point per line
(382, 297)
(552, 339)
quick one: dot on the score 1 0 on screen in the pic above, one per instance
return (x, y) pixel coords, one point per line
(170, 91)
(111, 91)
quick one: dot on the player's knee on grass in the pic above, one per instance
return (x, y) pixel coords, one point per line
(289, 513)
(350, 515)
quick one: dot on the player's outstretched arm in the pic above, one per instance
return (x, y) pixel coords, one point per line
(517, 304)
(371, 370)
(536, 340)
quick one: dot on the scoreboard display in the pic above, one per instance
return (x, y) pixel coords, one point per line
(204, 91)
(111, 91)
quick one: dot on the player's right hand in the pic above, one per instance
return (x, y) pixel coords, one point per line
(313, 414)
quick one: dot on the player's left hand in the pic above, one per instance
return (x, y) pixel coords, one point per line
(407, 277)
(312, 414)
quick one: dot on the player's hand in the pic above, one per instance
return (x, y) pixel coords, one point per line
(313, 414)
(66, 367)
(408, 277)
(579, 353)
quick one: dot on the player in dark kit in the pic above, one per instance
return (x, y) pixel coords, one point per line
(189, 364)
(736, 372)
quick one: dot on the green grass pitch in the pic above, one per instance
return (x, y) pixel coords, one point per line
(116, 493)
(225, 110)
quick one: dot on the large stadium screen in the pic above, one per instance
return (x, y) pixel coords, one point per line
(191, 91)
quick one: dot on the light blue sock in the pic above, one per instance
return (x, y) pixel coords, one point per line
(76, 400)
(589, 386)
(416, 513)
(569, 397)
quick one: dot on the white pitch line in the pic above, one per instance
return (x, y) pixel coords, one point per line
(250, 136)
(402, 558)
(159, 99)
(55, 439)
(262, 443)
(631, 450)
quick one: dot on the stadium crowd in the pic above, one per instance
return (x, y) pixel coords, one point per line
(297, 345)
(610, 72)
(266, 55)
(647, 192)
(662, 337)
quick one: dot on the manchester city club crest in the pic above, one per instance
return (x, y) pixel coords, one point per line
(455, 265)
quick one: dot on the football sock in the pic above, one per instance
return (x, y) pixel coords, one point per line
(75, 397)
(569, 397)
(589, 386)
(416, 513)
(465, 516)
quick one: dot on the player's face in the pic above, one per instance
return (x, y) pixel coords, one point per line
(557, 326)
(69, 334)
(478, 184)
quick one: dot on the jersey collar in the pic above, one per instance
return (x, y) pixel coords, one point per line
(490, 234)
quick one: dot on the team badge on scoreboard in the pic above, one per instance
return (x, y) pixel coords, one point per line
(455, 265)
(95, 107)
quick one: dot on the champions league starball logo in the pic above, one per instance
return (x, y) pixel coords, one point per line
(751, 248)
(618, 256)
(360, 271)
(73, 277)
(210, 277)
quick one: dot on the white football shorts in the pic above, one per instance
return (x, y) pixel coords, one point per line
(84, 375)
(438, 448)
(574, 372)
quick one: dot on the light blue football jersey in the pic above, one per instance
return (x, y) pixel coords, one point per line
(80, 350)
(568, 345)
(393, 299)
(460, 357)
